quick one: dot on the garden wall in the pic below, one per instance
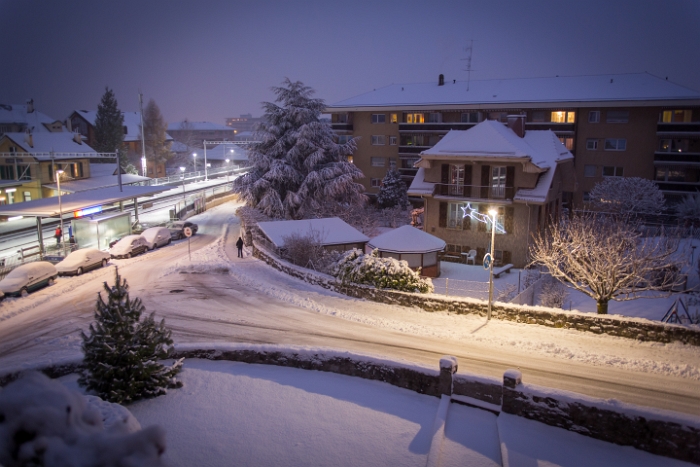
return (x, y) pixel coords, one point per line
(633, 328)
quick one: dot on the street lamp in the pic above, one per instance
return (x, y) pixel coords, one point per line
(59, 172)
(493, 213)
(227, 161)
(194, 154)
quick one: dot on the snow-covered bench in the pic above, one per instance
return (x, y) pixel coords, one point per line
(500, 270)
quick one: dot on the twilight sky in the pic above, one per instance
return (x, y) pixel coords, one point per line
(212, 59)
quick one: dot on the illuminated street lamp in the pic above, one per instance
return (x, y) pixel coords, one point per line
(194, 155)
(227, 172)
(493, 213)
(59, 172)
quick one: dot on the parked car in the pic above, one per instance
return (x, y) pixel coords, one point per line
(177, 228)
(129, 246)
(28, 277)
(81, 261)
(156, 237)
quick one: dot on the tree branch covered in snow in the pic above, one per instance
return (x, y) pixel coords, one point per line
(297, 167)
(607, 259)
(627, 196)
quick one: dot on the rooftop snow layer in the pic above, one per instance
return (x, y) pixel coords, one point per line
(47, 142)
(407, 239)
(332, 231)
(35, 120)
(132, 122)
(593, 88)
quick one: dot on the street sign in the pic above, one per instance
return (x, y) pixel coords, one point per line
(487, 260)
(187, 231)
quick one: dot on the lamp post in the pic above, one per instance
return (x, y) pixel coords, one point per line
(59, 172)
(194, 155)
(227, 171)
(493, 213)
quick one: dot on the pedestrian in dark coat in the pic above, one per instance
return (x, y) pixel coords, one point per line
(239, 245)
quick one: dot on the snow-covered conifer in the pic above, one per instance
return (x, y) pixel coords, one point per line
(122, 352)
(393, 191)
(627, 196)
(297, 166)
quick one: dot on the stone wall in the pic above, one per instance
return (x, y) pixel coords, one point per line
(633, 328)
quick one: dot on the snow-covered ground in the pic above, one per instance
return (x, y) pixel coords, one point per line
(232, 413)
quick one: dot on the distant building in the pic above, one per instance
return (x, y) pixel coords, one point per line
(195, 133)
(19, 118)
(246, 122)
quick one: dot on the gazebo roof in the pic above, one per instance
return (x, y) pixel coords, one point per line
(407, 239)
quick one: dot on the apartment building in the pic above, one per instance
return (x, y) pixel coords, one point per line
(625, 125)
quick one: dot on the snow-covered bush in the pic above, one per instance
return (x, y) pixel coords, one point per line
(122, 352)
(384, 273)
(305, 250)
(688, 210)
(553, 293)
(627, 196)
(46, 424)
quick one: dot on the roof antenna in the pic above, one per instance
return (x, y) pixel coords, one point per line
(468, 50)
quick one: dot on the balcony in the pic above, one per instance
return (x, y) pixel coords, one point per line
(685, 129)
(341, 126)
(555, 127)
(412, 149)
(679, 157)
(441, 127)
(678, 187)
(474, 191)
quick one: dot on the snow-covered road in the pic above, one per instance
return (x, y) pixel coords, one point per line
(219, 298)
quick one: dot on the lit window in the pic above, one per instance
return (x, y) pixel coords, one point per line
(498, 182)
(617, 116)
(612, 144)
(351, 159)
(392, 140)
(567, 141)
(27, 196)
(375, 182)
(414, 118)
(670, 116)
(378, 161)
(563, 117)
(455, 216)
(589, 171)
(378, 140)
(594, 116)
(612, 171)
(394, 118)
(378, 118)
(591, 144)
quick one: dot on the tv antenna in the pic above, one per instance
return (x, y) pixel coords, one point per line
(468, 50)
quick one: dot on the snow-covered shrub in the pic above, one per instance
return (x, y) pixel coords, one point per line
(688, 210)
(384, 273)
(46, 424)
(553, 293)
(305, 250)
(627, 196)
(122, 352)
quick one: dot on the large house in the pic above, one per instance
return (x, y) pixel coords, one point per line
(20, 118)
(522, 174)
(627, 125)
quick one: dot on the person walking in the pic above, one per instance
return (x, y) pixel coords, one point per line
(58, 235)
(239, 245)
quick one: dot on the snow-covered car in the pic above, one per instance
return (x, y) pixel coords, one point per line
(81, 261)
(129, 246)
(28, 277)
(177, 229)
(156, 237)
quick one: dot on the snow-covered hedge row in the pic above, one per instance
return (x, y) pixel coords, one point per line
(384, 273)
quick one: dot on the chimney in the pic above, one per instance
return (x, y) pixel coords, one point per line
(517, 124)
(30, 106)
(29, 139)
(441, 80)
(77, 138)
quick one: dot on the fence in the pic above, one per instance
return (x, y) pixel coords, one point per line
(461, 288)
(52, 252)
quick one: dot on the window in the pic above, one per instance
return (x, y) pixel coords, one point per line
(343, 139)
(413, 140)
(538, 116)
(612, 171)
(589, 170)
(671, 116)
(393, 140)
(7, 172)
(435, 117)
(591, 144)
(567, 141)
(617, 116)
(341, 118)
(75, 169)
(378, 140)
(498, 116)
(594, 116)
(455, 216)
(414, 118)
(612, 144)
(378, 161)
(498, 182)
(351, 159)
(563, 117)
(408, 163)
(394, 118)
(679, 145)
(378, 118)
(470, 117)
(586, 196)
(456, 180)
(671, 174)
(27, 196)
(375, 182)
(500, 219)
(392, 164)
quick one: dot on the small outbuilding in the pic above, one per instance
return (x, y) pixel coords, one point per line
(407, 243)
(333, 233)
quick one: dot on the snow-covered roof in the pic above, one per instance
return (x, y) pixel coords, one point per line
(407, 239)
(132, 121)
(332, 231)
(95, 182)
(198, 126)
(234, 152)
(44, 143)
(629, 87)
(34, 121)
(419, 186)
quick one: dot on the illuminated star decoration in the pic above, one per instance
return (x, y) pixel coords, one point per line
(469, 211)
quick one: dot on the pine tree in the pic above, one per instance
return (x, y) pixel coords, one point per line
(298, 167)
(109, 127)
(393, 191)
(154, 131)
(122, 352)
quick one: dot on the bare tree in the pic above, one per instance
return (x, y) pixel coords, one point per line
(627, 196)
(607, 258)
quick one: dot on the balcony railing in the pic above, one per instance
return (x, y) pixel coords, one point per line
(692, 127)
(341, 126)
(555, 127)
(679, 187)
(412, 149)
(474, 191)
(445, 126)
(684, 157)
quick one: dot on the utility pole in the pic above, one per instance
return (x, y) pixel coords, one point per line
(143, 138)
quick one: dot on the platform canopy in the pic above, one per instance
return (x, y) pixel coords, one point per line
(48, 207)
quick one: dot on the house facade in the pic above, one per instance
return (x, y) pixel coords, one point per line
(521, 174)
(630, 125)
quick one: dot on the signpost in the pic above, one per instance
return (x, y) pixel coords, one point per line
(487, 261)
(188, 233)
